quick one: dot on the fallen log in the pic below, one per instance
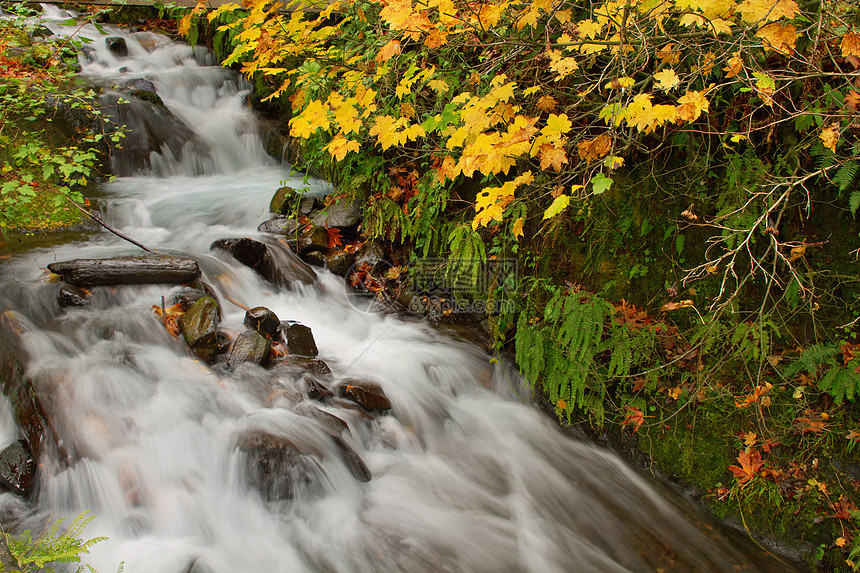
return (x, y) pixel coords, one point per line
(161, 269)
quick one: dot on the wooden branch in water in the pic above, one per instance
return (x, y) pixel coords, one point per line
(111, 229)
(160, 269)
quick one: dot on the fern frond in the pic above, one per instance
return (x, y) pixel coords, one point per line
(811, 359)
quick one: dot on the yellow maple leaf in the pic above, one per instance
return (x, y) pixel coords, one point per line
(314, 116)
(438, 86)
(767, 10)
(720, 26)
(693, 20)
(562, 66)
(184, 25)
(396, 13)
(619, 83)
(778, 37)
(388, 51)
(693, 103)
(340, 146)
(556, 127)
(669, 55)
(666, 79)
(414, 131)
(517, 228)
(447, 169)
(558, 205)
(850, 45)
(829, 137)
(386, 130)
(563, 16)
(588, 28)
(346, 117)
(491, 202)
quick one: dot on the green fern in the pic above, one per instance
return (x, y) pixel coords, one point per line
(468, 256)
(845, 175)
(51, 546)
(811, 360)
(842, 383)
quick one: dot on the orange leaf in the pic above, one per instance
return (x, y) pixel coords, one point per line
(852, 100)
(850, 45)
(388, 51)
(334, 238)
(594, 149)
(635, 417)
(778, 37)
(750, 465)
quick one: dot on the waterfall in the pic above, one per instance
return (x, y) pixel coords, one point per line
(465, 474)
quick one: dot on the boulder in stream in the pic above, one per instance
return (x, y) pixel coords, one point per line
(369, 395)
(288, 201)
(117, 46)
(277, 468)
(299, 339)
(17, 467)
(72, 296)
(341, 213)
(263, 321)
(250, 346)
(339, 262)
(199, 328)
(275, 263)
(280, 226)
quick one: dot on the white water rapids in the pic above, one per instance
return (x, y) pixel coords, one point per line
(466, 477)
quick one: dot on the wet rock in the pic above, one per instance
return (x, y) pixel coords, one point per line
(141, 84)
(310, 239)
(117, 46)
(147, 95)
(331, 424)
(340, 262)
(277, 468)
(288, 201)
(280, 226)
(199, 328)
(353, 461)
(72, 296)
(299, 339)
(278, 265)
(263, 321)
(302, 364)
(369, 395)
(17, 467)
(147, 40)
(315, 389)
(342, 214)
(188, 296)
(250, 346)
(369, 256)
(151, 130)
(314, 258)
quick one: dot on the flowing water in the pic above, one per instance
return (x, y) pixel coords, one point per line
(466, 477)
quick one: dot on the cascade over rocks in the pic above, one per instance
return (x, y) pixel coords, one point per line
(277, 468)
(117, 46)
(277, 264)
(156, 269)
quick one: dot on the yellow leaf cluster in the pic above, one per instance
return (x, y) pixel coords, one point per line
(778, 37)
(491, 202)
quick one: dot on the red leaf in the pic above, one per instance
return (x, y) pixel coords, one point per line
(750, 465)
(334, 239)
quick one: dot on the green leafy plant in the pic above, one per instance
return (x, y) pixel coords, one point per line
(52, 546)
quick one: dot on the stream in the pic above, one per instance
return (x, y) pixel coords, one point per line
(467, 474)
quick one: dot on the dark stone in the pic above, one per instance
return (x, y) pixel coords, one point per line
(331, 424)
(151, 129)
(310, 239)
(17, 467)
(340, 262)
(275, 263)
(208, 347)
(315, 389)
(263, 321)
(301, 364)
(353, 461)
(199, 321)
(341, 214)
(187, 297)
(300, 340)
(314, 258)
(141, 84)
(279, 226)
(117, 46)
(288, 201)
(277, 468)
(369, 395)
(70, 296)
(250, 346)
(149, 96)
